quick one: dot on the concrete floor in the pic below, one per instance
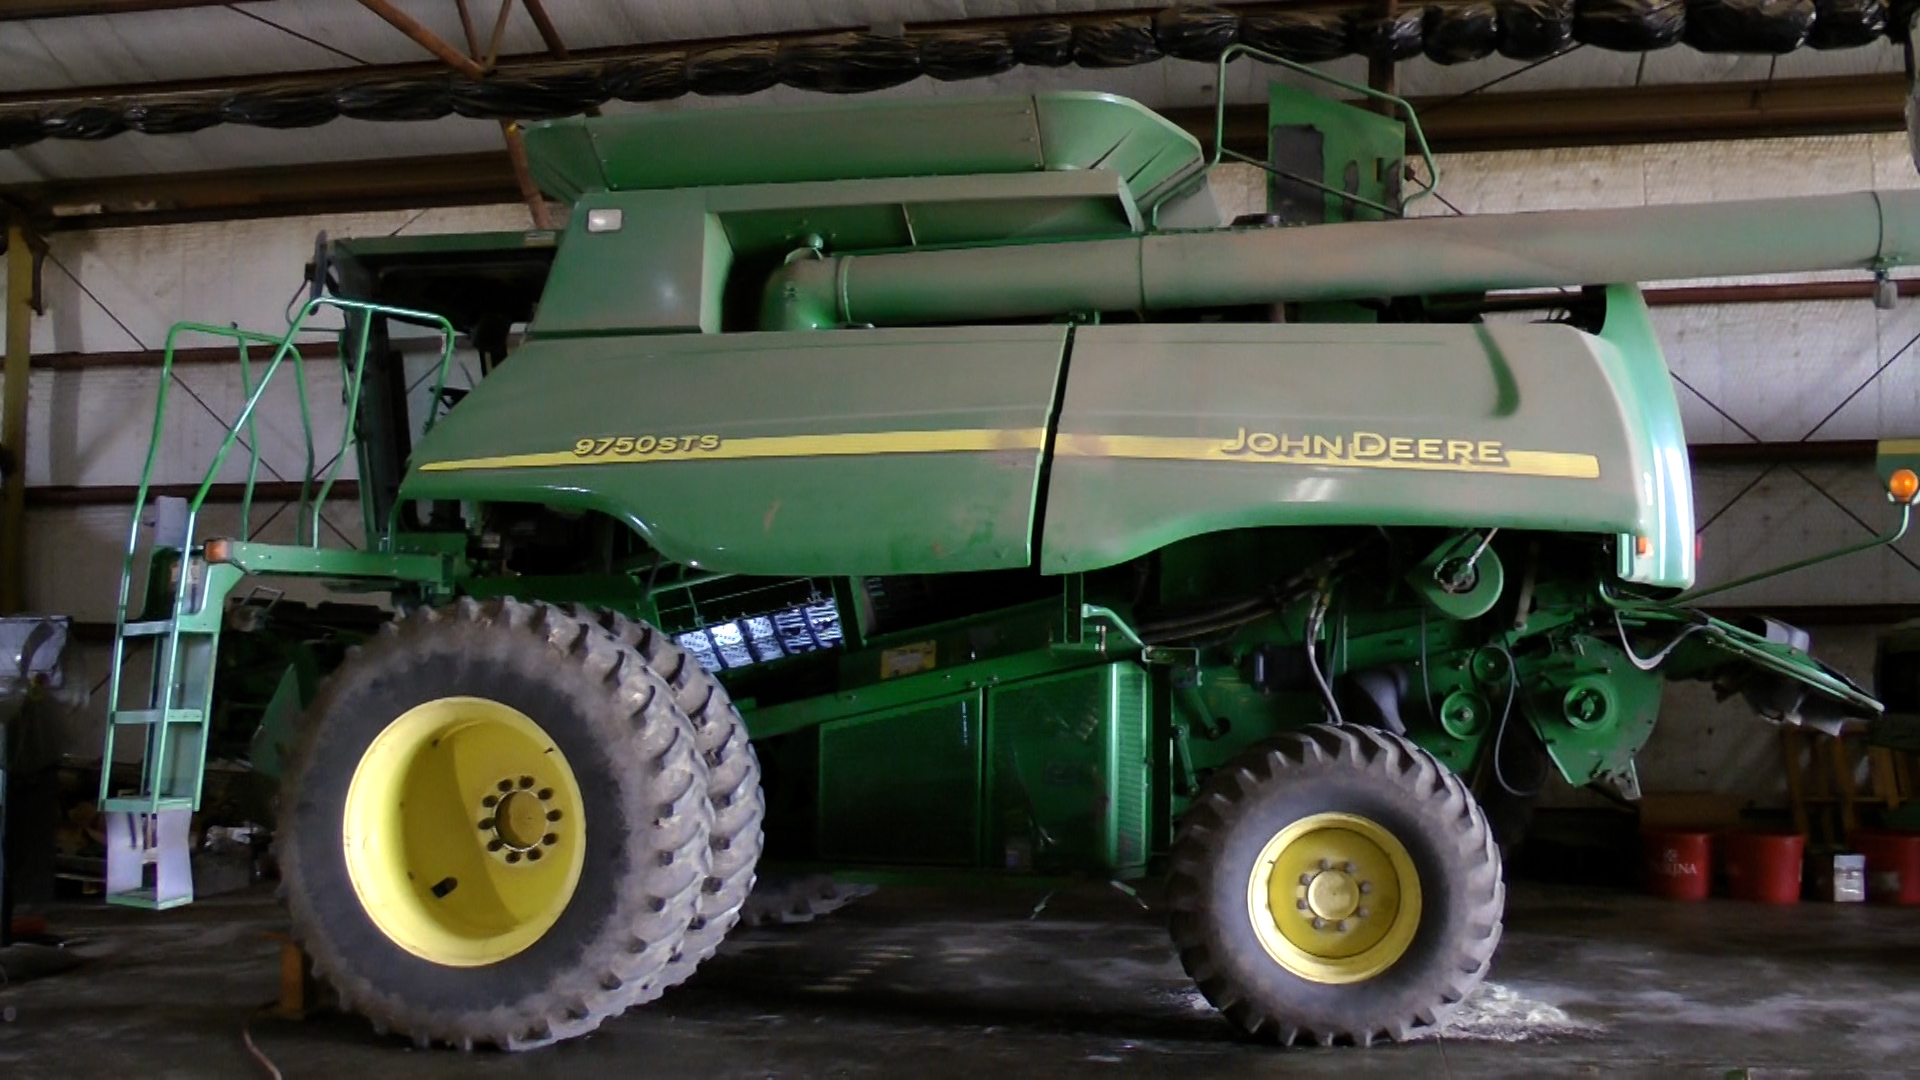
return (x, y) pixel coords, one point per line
(930, 985)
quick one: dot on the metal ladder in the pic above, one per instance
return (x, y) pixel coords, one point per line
(182, 605)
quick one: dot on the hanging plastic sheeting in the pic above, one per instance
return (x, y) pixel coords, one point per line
(1305, 37)
(1116, 43)
(1847, 24)
(168, 117)
(516, 96)
(1195, 33)
(1534, 29)
(281, 107)
(733, 70)
(1043, 44)
(1396, 37)
(86, 121)
(395, 99)
(849, 63)
(958, 55)
(1448, 31)
(1748, 26)
(1630, 25)
(655, 77)
(1459, 33)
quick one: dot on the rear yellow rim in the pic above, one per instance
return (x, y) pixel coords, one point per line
(1334, 898)
(463, 831)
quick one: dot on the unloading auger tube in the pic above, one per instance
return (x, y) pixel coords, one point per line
(1865, 230)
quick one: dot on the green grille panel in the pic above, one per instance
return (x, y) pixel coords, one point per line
(903, 786)
(1068, 771)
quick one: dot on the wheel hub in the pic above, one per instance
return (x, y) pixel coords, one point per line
(519, 820)
(463, 832)
(1334, 898)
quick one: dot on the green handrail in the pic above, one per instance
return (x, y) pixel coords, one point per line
(1179, 182)
(166, 670)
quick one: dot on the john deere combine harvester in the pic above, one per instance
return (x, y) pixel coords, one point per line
(939, 487)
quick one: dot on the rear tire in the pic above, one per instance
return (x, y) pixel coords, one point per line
(1335, 885)
(429, 926)
(733, 790)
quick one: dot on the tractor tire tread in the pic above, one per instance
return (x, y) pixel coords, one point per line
(656, 899)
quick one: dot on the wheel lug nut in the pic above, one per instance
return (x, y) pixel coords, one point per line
(1341, 926)
(550, 839)
(1319, 923)
(1361, 913)
(490, 801)
(486, 823)
(1366, 887)
(553, 815)
(505, 785)
(1306, 879)
(1348, 867)
(1301, 904)
(1325, 865)
(534, 855)
(526, 781)
(544, 794)
(495, 845)
(513, 856)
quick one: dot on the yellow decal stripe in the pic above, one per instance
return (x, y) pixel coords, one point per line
(778, 446)
(1162, 448)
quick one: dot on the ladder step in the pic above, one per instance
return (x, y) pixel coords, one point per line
(135, 804)
(136, 717)
(156, 628)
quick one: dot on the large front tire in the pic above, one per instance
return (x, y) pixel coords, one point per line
(1335, 885)
(495, 827)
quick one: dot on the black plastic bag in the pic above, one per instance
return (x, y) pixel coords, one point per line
(282, 107)
(732, 70)
(1195, 33)
(1630, 25)
(529, 96)
(176, 117)
(654, 77)
(848, 63)
(18, 129)
(1748, 26)
(1534, 29)
(87, 120)
(1120, 42)
(954, 55)
(1044, 44)
(1399, 36)
(1458, 33)
(1305, 37)
(1847, 24)
(420, 98)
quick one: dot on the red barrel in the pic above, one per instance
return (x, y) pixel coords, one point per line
(1893, 865)
(1678, 864)
(1764, 866)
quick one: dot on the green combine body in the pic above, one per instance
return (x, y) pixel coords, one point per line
(942, 490)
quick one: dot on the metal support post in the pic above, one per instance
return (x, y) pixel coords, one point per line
(13, 419)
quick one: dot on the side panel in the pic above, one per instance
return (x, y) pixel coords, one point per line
(1172, 431)
(903, 786)
(838, 452)
(1067, 771)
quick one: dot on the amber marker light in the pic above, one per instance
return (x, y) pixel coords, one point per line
(219, 551)
(1903, 485)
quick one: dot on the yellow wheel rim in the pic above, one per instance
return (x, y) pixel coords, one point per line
(463, 831)
(1334, 898)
